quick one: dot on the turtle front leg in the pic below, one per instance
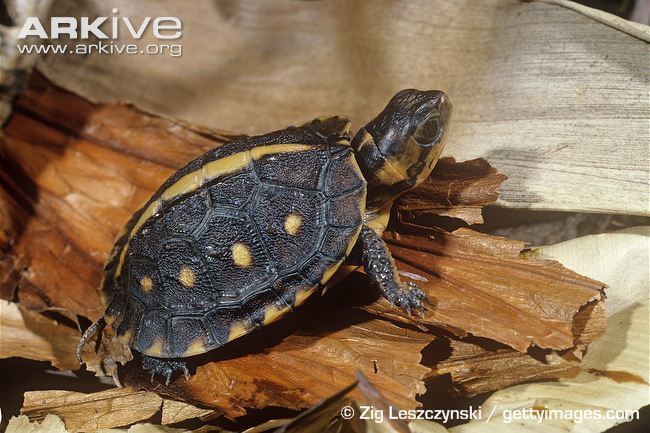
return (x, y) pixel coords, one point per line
(164, 367)
(380, 267)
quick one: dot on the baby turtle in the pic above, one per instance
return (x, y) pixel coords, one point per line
(243, 234)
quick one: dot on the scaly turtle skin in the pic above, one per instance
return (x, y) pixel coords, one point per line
(248, 231)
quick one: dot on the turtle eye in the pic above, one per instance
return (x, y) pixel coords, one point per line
(429, 131)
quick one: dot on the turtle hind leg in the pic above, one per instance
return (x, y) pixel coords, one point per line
(165, 367)
(380, 267)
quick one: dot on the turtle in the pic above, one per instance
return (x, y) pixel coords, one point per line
(245, 233)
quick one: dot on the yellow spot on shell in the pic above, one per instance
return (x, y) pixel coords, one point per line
(292, 224)
(187, 277)
(197, 347)
(237, 331)
(156, 348)
(241, 255)
(146, 284)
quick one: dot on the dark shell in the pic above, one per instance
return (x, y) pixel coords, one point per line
(198, 269)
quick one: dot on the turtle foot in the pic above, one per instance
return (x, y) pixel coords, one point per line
(165, 367)
(409, 297)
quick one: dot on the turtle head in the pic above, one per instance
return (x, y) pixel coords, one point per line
(399, 148)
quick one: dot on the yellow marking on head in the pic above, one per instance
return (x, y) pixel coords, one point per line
(146, 283)
(110, 320)
(237, 330)
(387, 174)
(196, 347)
(292, 224)
(329, 272)
(274, 312)
(241, 255)
(302, 295)
(156, 348)
(126, 337)
(194, 180)
(187, 277)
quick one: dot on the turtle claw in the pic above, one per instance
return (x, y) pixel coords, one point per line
(165, 367)
(411, 298)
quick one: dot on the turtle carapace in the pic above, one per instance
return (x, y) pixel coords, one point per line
(242, 235)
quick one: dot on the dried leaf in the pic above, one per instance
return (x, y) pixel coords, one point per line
(268, 426)
(373, 398)
(31, 335)
(456, 190)
(16, 65)
(339, 414)
(111, 408)
(608, 257)
(153, 428)
(614, 373)
(176, 411)
(477, 366)
(54, 424)
(637, 30)
(104, 358)
(614, 377)
(89, 412)
(319, 417)
(21, 424)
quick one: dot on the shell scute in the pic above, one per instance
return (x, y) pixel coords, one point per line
(233, 190)
(272, 207)
(185, 279)
(231, 279)
(280, 169)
